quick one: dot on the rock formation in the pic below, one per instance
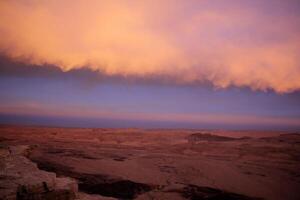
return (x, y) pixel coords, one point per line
(22, 180)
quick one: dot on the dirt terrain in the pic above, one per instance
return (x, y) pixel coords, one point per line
(164, 164)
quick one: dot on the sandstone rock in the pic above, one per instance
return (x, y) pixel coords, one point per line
(198, 137)
(21, 150)
(66, 183)
(22, 180)
(4, 152)
(84, 196)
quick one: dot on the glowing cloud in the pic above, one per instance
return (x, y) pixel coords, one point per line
(224, 42)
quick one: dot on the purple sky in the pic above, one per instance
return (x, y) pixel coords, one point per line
(48, 96)
(192, 64)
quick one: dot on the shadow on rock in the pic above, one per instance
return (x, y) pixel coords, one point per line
(194, 192)
(101, 184)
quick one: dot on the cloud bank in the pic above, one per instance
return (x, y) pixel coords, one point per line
(252, 44)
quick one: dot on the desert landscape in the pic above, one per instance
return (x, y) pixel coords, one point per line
(85, 163)
(150, 100)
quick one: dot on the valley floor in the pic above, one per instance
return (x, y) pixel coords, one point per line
(164, 164)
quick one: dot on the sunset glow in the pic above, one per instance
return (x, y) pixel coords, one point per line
(244, 52)
(240, 43)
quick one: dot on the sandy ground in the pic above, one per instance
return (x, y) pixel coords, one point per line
(166, 164)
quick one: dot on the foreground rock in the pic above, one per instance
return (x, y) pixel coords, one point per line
(164, 164)
(21, 179)
(100, 184)
(193, 192)
(117, 187)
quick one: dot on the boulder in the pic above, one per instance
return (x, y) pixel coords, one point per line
(22, 180)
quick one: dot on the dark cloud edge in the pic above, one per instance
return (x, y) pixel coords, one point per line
(20, 69)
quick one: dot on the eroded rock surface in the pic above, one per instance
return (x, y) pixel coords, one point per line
(101, 184)
(198, 137)
(22, 180)
(112, 186)
(158, 164)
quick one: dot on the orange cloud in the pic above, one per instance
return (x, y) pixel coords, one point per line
(188, 41)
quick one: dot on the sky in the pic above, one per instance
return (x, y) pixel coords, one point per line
(224, 64)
